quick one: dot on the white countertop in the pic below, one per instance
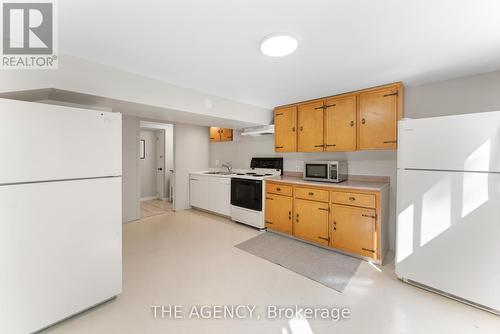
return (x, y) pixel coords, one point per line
(361, 185)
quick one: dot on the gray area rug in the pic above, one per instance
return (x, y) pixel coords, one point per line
(329, 268)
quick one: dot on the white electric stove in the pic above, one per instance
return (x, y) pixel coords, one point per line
(248, 190)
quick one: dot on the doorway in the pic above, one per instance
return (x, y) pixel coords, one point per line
(156, 168)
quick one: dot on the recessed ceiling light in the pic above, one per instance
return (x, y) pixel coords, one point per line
(278, 45)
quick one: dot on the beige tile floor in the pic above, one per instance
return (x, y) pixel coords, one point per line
(188, 258)
(154, 207)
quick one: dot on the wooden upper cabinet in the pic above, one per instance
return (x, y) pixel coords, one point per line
(354, 230)
(310, 123)
(214, 134)
(311, 221)
(379, 112)
(220, 134)
(279, 213)
(226, 134)
(340, 124)
(285, 129)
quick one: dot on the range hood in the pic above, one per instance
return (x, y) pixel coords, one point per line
(259, 130)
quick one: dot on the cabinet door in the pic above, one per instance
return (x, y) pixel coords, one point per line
(310, 123)
(340, 124)
(219, 195)
(279, 213)
(226, 134)
(285, 129)
(214, 134)
(198, 188)
(353, 230)
(311, 221)
(378, 116)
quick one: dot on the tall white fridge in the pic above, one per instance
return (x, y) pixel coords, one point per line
(60, 212)
(448, 206)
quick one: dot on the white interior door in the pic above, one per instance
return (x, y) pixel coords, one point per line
(160, 164)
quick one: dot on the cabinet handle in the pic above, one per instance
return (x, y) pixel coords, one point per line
(390, 142)
(363, 121)
(269, 198)
(324, 209)
(278, 147)
(212, 137)
(352, 198)
(352, 123)
(319, 145)
(297, 218)
(268, 222)
(330, 105)
(369, 216)
(331, 145)
(311, 194)
(335, 229)
(278, 189)
(334, 223)
(289, 215)
(368, 250)
(317, 108)
(391, 94)
(322, 238)
(301, 128)
(279, 114)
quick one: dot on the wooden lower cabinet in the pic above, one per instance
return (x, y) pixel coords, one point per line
(350, 220)
(311, 221)
(279, 213)
(354, 230)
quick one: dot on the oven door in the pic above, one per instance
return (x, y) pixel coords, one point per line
(316, 171)
(246, 193)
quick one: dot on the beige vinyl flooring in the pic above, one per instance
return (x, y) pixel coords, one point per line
(155, 207)
(188, 258)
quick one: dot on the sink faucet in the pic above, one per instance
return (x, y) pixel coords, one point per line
(228, 166)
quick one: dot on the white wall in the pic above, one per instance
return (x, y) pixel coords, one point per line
(463, 95)
(459, 96)
(191, 150)
(172, 103)
(169, 155)
(130, 168)
(147, 166)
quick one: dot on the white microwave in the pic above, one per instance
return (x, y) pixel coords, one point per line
(326, 171)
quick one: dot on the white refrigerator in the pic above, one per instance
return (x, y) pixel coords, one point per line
(448, 207)
(60, 212)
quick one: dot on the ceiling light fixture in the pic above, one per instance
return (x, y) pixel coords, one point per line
(278, 45)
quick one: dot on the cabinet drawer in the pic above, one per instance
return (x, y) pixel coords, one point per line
(363, 200)
(312, 194)
(280, 189)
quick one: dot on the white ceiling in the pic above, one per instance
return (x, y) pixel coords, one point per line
(213, 45)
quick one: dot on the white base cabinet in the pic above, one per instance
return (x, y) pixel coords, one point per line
(211, 193)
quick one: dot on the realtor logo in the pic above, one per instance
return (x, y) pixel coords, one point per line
(28, 35)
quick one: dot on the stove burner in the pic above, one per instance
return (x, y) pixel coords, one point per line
(267, 174)
(240, 173)
(251, 173)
